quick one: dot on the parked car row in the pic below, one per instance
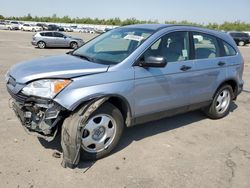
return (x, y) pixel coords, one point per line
(9, 26)
(79, 29)
(15, 25)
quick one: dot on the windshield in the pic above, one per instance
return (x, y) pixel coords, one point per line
(113, 46)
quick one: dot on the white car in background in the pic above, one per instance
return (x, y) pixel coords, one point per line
(68, 29)
(30, 27)
(12, 25)
(3, 26)
(198, 38)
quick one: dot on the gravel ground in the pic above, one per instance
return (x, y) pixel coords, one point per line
(187, 150)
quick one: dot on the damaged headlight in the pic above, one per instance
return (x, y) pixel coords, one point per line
(47, 88)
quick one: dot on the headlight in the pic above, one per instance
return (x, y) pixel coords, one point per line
(45, 88)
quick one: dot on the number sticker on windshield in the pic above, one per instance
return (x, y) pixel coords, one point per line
(134, 37)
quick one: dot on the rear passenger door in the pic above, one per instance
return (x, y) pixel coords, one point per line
(48, 38)
(209, 65)
(60, 39)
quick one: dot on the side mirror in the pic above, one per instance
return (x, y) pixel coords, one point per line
(153, 61)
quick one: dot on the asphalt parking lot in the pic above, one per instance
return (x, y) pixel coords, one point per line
(187, 150)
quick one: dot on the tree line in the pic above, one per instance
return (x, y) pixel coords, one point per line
(226, 26)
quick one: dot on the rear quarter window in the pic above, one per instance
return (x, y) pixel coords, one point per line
(229, 50)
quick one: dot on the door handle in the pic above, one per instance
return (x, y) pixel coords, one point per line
(221, 63)
(185, 68)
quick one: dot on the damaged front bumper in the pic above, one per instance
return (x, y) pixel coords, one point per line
(39, 117)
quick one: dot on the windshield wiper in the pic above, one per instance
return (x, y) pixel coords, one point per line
(82, 56)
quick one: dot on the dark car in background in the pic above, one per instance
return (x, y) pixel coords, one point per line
(240, 38)
(55, 39)
(53, 27)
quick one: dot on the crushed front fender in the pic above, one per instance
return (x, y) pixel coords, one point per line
(72, 134)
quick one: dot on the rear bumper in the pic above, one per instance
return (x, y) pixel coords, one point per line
(34, 43)
(240, 88)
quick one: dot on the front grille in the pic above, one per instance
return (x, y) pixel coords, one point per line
(19, 97)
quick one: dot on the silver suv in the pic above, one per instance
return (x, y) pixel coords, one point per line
(126, 76)
(55, 39)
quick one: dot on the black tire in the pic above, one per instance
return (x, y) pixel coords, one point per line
(73, 121)
(211, 110)
(111, 110)
(41, 44)
(73, 45)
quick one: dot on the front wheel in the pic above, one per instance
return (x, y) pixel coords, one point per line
(102, 132)
(221, 103)
(73, 45)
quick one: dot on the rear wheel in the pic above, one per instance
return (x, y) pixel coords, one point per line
(41, 44)
(221, 103)
(73, 45)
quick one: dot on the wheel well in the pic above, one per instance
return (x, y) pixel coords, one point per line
(233, 84)
(118, 102)
(123, 106)
(41, 41)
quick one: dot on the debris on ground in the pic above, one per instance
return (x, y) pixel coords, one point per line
(56, 155)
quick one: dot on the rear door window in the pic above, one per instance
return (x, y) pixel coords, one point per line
(58, 35)
(206, 46)
(49, 34)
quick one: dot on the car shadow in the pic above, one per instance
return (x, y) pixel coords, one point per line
(245, 91)
(139, 132)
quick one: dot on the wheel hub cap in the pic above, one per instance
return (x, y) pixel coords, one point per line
(223, 101)
(98, 133)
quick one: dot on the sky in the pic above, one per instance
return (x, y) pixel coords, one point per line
(200, 11)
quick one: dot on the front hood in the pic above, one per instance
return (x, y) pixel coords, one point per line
(64, 66)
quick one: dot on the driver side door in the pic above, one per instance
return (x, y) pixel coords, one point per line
(160, 89)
